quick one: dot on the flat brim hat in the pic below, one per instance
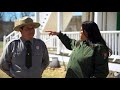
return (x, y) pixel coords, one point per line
(25, 21)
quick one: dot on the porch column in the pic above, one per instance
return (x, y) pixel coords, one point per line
(98, 18)
(104, 21)
(91, 16)
(37, 19)
(59, 28)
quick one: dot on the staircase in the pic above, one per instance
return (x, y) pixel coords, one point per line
(12, 36)
(42, 17)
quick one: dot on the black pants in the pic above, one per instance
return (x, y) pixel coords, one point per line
(70, 74)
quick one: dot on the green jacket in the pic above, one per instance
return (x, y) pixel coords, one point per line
(82, 63)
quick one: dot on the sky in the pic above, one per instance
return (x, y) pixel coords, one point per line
(77, 13)
(9, 14)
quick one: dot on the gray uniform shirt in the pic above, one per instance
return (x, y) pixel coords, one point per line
(12, 61)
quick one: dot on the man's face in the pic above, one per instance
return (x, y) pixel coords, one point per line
(28, 32)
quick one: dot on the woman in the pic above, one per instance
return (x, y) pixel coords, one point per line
(90, 54)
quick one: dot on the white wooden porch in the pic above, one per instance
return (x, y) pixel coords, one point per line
(112, 39)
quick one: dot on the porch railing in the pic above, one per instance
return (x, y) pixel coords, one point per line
(13, 35)
(112, 39)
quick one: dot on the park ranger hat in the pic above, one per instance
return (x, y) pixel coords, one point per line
(24, 21)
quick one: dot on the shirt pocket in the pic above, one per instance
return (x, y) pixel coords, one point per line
(16, 54)
(36, 53)
(17, 58)
(37, 58)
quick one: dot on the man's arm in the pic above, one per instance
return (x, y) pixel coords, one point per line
(45, 59)
(5, 60)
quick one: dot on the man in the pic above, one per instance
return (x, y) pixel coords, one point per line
(26, 57)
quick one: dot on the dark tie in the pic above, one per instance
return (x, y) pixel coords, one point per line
(28, 58)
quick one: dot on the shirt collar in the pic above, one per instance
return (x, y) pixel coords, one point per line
(23, 40)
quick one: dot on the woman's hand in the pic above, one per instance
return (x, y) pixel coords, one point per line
(52, 33)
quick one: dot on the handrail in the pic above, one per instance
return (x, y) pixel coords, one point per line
(11, 36)
(109, 31)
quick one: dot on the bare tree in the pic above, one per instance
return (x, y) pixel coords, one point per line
(26, 14)
(12, 16)
(1, 15)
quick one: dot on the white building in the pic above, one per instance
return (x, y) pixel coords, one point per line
(58, 21)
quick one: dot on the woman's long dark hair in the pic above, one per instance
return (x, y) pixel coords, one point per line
(94, 34)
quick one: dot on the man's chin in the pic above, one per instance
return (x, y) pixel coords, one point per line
(30, 38)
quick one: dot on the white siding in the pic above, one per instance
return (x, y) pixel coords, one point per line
(111, 20)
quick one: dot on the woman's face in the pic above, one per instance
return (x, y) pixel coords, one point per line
(83, 35)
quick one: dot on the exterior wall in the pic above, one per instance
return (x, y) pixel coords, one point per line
(106, 21)
(74, 24)
(52, 22)
(87, 16)
(111, 21)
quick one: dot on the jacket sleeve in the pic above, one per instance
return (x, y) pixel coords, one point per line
(69, 43)
(5, 60)
(101, 62)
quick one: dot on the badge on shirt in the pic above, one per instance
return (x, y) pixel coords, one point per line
(37, 47)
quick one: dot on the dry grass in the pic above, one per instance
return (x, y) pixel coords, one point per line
(3, 75)
(48, 73)
(54, 72)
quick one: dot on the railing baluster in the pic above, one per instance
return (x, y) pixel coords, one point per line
(112, 42)
(119, 44)
(116, 44)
